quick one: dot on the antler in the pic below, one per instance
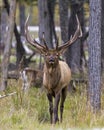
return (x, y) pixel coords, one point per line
(34, 43)
(57, 42)
(45, 42)
(77, 34)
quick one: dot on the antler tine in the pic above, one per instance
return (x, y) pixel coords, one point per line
(77, 34)
(34, 43)
(78, 28)
(44, 41)
(57, 43)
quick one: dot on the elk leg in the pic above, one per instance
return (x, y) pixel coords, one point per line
(55, 110)
(63, 97)
(50, 107)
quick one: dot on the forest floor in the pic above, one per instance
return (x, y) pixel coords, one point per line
(29, 111)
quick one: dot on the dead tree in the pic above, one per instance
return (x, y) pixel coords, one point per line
(8, 42)
(19, 48)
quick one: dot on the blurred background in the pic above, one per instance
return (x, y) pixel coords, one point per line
(85, 57)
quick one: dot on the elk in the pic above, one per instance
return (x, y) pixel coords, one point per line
(57, 74)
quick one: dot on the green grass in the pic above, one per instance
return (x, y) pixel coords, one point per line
(29, 111)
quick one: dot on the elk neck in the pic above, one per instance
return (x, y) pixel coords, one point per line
(53, 74)
(52, 69)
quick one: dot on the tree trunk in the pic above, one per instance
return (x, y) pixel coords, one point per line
(73, 54)
(19, 49)
(22, 18)
(51, 8)
(44, 22)
(63, 7)
(94, 48)
(3, 25)
(102, 36)
(6, 56)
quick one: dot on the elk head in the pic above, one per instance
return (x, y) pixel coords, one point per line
(52, 55)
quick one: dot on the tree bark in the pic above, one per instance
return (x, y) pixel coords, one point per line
(3, 24)
(73, 54)
(94, 48)
(44, 22)
(19, 49)
(63, 7)
(102, 36)
(22, 18)
(51, 8)
(6, 56)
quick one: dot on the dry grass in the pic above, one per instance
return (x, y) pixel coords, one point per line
(29, 111)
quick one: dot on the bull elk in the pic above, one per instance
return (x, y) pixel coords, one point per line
(57, 74)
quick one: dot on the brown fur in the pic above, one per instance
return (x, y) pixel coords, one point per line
(57, 74)
(55, 79)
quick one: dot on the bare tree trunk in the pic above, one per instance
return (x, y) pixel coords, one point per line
(102, 36)
(3, 24)
(83, 62)
(63, 6)
(94, 48)
(6, 56)
(22, 18)
(73, 55)
(44, 22)
(51, 8)
(20, 50)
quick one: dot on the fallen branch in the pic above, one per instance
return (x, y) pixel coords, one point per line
(10, 94)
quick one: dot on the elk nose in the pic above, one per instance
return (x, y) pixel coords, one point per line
(51, 58)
